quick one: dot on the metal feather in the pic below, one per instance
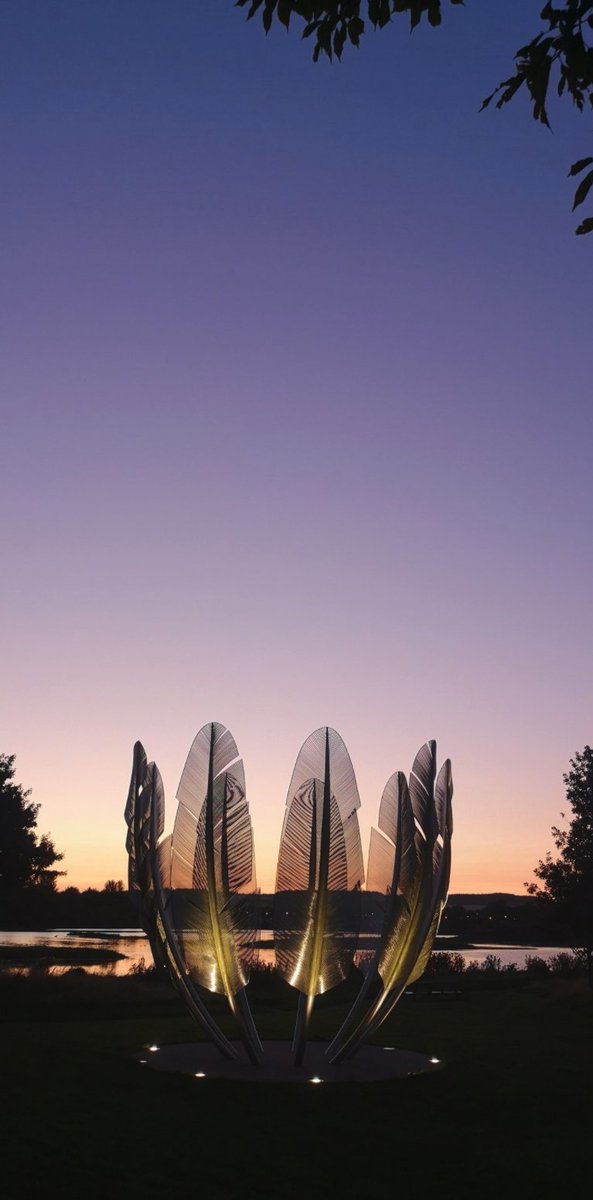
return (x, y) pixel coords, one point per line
(320, 873)
(392, 878)
(213, 873)
(432, 896)
(150, 882)
(441, 863)
(144, 815)
(419, 819)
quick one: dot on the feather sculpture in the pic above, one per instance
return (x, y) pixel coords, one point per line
(149, 875)
(320, 873)
(409, 868)
(213, 874)
(145, 818)
(195, 890)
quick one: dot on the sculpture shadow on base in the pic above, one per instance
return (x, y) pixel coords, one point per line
(197, 895)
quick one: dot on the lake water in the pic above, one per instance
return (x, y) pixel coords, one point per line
(133, 944)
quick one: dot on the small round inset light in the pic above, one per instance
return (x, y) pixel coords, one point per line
(316, 1079)
(389, 1047)
(435, 1060)
(142, 1060)
(153, 1048)
(200, 1075)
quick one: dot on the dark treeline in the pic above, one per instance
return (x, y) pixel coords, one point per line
(44, 908)
(510, 920)
(498, 919)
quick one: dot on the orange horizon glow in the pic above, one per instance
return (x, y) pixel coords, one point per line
(497, 858)
(458, 887)
(466, 877)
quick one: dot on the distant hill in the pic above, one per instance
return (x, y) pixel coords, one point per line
(37, 909)
(481, 899)
(465, 899)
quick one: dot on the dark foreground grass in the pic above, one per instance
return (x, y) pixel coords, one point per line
(510, 1116)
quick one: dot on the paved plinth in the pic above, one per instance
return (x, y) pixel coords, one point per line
(372, 1064)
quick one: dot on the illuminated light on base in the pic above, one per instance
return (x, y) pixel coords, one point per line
(143, 1060)
(200, 1075)
(153, 1048)
(434, 1060)
(316, 1079)
(389, 1047)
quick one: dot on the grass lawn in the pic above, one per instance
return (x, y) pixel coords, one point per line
(510, 1116)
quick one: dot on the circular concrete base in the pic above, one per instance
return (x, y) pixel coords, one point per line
(372, 1064)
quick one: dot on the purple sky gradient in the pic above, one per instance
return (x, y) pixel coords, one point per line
(297, 417)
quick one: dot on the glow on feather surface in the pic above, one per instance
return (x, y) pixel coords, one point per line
(320, 872)
(213, 869)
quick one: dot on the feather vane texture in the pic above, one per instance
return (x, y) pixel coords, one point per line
(150, 866)
(393, 880)
(441, 864)
(213, 863)
(136, 820)
(318, 885)
(320, 873)
(416, 821)
(213, 873)
(145, 818)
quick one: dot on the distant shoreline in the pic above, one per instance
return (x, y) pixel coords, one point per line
(77, 956)
(46, 953)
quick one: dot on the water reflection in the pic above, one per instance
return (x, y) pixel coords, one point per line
(132, 945)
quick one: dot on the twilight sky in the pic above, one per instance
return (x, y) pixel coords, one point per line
(296, 417)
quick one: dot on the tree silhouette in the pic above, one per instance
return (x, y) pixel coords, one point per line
(561, 51)
(26, 859)
(568, 880)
